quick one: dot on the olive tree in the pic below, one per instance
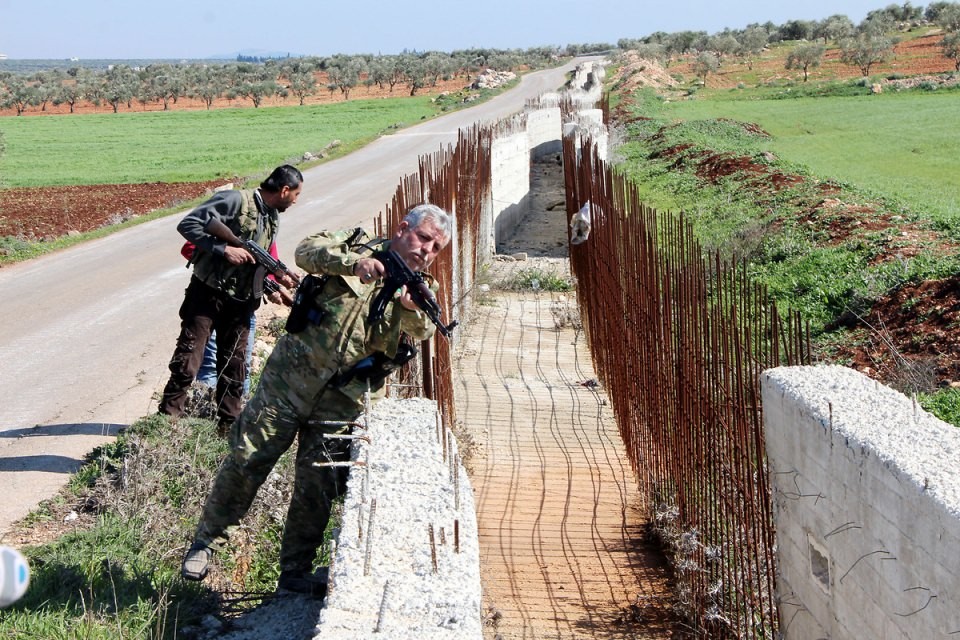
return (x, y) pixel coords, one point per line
(723, 45)
(949, 17)
(752, 41)
(438, 65)
(120, 84)
(253, 81)
(835, 28)
(301, 80)
(207, 83)
(933, 10)
(18, 93)
(344, 73)
(866, 50)
(951, 47)
(705, 64)
(47, 83)
(805, 56)
(415, 72)
(72, 91)
(164, 83)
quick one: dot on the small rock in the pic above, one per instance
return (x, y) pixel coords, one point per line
(521, 256)
(70, 517)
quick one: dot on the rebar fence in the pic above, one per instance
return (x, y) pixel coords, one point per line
(458, 180)
(679, 338)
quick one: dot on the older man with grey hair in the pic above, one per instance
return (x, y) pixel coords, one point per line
(317, 375)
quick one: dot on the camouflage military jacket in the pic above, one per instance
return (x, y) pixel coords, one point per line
(245, 213)
(344, 336)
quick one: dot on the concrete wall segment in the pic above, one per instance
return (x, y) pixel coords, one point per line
(882, 475)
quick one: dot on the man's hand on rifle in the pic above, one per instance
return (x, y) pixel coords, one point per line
(406, 300)
(282, 296)
(287, 281)
(238, 255)
(369, 269)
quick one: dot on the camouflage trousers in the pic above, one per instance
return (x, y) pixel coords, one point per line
(291, 402)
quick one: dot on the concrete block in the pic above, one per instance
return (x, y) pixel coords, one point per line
(884, 470)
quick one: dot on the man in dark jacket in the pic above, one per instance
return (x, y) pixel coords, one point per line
(224, 290)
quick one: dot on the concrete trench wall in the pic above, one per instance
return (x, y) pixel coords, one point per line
(866, 506)
(510, 182)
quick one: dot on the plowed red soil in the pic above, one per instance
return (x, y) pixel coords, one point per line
(49, 212)
(918, 56)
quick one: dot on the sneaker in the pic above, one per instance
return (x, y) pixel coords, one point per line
(196, 561)
(311, 584)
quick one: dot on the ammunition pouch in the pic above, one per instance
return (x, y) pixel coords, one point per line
(304, 310)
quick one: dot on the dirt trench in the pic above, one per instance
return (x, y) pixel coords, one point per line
(562, 533)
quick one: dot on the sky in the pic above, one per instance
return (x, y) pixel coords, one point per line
(184, 29)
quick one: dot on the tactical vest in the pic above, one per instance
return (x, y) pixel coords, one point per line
(237, 281)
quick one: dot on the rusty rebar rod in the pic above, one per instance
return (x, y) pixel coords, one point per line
(382, 612)
(369, 548)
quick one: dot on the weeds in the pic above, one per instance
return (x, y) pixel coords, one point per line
(119, 576)
(537, 279)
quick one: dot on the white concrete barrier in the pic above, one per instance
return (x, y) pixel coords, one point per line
(407, 558)
(866, 489)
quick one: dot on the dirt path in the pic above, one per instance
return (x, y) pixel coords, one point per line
(562, 545)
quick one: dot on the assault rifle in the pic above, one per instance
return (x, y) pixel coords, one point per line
(262, 257)
(399, 274)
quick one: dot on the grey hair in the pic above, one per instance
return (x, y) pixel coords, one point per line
(441, 218)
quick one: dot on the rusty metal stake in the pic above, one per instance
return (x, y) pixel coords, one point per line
(383, 607)
(340, 463)
(456, 485)
(444, 444)
(333, 556)
(456, 536)
(339, 423)
(433, 549)
(369, 552)
(452, 458)
(365, 486)
(347, 436)
(360, 522)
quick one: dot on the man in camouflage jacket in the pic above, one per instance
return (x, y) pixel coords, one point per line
(221, 294)
(308, 382)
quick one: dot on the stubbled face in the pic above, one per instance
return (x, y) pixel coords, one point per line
(418, 246)
(288, 197)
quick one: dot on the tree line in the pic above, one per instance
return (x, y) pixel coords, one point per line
(862, 45)
(163, 83)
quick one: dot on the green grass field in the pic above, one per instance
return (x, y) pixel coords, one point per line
(899, 146)
(189, 146)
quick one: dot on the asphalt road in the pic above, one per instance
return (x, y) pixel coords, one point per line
(87, 332)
